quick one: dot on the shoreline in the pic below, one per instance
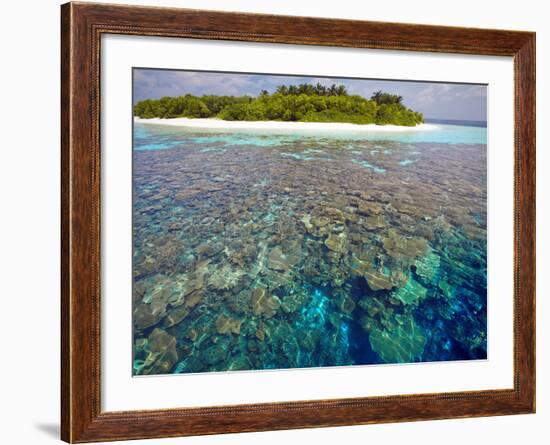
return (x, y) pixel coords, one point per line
(219, 124)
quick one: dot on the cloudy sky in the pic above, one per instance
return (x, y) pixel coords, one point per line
(435, 100)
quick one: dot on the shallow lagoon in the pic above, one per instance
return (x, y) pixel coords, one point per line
(270, 251)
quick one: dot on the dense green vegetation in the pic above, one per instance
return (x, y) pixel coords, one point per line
(303, 103)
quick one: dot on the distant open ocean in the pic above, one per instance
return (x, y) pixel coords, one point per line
(463, 123)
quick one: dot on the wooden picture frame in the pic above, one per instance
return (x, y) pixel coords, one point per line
(82, 25)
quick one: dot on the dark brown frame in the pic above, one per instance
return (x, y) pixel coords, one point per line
(82, 25)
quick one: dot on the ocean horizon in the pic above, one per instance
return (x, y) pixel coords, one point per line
(459, 122)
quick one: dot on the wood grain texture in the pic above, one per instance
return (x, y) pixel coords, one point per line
(81, 28)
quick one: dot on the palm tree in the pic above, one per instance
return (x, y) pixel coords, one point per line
(320, 89)
(377, 96)
(341, 90)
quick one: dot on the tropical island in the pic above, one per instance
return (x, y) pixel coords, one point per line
(289, 103)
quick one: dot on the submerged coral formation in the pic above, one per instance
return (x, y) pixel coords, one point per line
(248, 258)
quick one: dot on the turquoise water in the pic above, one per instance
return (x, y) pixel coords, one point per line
(158, 137)
(260, 250)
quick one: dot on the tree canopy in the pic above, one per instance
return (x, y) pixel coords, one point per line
(303, 103)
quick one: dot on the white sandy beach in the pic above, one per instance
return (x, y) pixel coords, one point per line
(279, 125)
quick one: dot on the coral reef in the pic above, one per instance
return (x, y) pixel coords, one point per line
(267, 252)
(401, 342)
(227, 325)
(263, 303)
(159, 352)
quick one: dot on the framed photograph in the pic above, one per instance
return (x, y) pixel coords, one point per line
(275, 222)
